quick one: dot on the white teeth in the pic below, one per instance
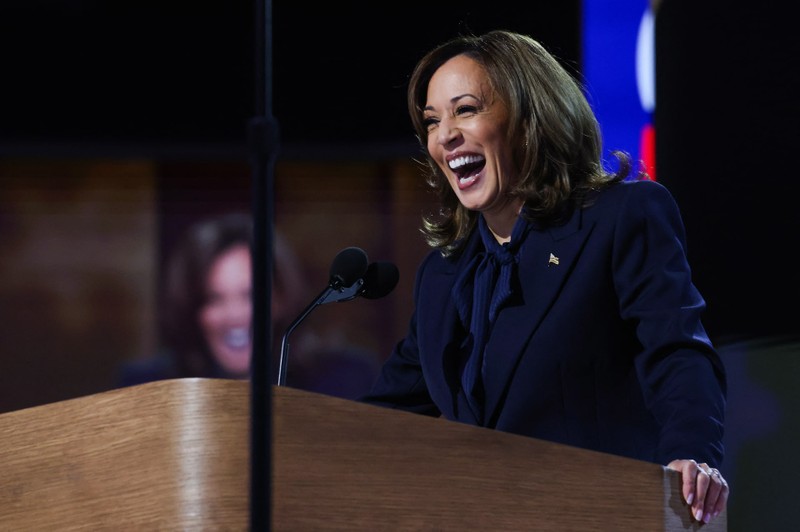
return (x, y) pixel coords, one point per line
(458, 162)
(237, 338)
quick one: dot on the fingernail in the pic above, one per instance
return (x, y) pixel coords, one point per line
(698, 515)
(689, 499)
(707, 518)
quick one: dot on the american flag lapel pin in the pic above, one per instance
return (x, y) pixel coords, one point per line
(553, 260)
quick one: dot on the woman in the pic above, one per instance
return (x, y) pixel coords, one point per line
(206, 307)
(207, 316)
(557, 301)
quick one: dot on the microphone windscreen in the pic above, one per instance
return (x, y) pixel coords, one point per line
(348, 266)
(380, 279)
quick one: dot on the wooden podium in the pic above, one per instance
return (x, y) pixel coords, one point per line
(173, 455)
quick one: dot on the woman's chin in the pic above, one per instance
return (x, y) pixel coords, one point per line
(236, 364)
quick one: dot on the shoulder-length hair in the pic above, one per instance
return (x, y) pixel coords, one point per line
(557, 142)
(186, 289)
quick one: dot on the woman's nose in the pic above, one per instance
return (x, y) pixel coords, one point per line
(239, 309)
(447, 131)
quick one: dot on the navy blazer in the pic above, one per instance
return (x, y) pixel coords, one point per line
(605, 349)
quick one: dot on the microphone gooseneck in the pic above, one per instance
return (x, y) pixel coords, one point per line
(348, 268)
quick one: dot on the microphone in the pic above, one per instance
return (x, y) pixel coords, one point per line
(380, 279)
(348, 266)
(348, 269)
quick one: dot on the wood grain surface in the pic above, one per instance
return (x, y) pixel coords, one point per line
(174, 455)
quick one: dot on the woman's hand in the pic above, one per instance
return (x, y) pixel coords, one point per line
(703, 487)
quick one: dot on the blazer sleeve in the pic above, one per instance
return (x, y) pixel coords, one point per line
(401, 382)
(682, 377)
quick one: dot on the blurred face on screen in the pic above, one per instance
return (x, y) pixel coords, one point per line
(226, 316)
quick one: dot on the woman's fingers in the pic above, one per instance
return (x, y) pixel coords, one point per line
(688, 470)
(717, 495)
(703, 488)
(702, 491)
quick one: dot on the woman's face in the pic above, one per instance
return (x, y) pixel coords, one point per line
(467, 125)
(226, 317)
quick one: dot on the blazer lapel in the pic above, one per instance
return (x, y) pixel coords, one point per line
(546, 258)
(443, 331)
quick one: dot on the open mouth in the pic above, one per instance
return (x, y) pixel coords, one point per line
(238, 338)
(467, 168)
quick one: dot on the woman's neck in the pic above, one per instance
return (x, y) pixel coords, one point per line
(501, 223)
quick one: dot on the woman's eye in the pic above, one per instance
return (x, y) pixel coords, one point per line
(429, 122)
(466, 109)
(212, 299)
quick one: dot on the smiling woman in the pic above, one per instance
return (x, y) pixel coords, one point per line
(207, 308)
(226, 312)
(557, 300)
(207, 317)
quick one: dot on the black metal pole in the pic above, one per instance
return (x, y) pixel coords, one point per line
(263, 136)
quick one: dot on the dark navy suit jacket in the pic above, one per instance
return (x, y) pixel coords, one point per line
(604, 350)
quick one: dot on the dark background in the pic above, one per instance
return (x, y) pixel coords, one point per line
(174, 82)
(183, 72)
(164, 79)
(726, 123)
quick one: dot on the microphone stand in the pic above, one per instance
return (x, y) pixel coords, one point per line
(332, 292)
(263, 140)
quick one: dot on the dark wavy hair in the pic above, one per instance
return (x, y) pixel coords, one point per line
(186, 290)
(558, 143)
